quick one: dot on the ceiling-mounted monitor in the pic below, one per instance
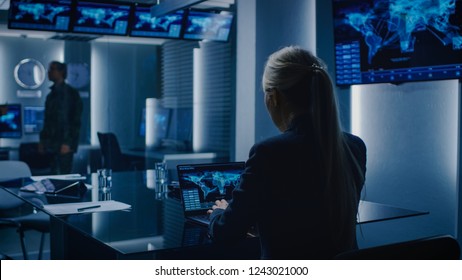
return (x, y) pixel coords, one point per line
(396, 41)
(166, 26)
(101, 18)
(201, 25)
(45, 15)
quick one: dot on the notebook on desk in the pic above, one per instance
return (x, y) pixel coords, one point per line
(202, 184)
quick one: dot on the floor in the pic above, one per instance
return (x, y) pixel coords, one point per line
(11, 246)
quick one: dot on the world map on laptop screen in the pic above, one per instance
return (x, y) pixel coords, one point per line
(202, 184)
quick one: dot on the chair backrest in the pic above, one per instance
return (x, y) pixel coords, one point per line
(111, 152)
(11, 169)
(442, 247)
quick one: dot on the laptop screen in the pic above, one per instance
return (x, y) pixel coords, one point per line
(202, 184)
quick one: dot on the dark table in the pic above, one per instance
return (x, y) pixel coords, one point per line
(154, 228)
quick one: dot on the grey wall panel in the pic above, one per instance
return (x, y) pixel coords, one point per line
(411, 132)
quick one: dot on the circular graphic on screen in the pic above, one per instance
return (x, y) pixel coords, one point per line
(78, 75)
(29, 73)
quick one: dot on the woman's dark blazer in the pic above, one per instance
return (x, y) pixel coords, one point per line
(282, 192)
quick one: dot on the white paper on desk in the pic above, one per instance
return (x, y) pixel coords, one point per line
(72, 208)
(74, 176)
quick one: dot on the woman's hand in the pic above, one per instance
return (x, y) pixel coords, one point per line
(219, 204)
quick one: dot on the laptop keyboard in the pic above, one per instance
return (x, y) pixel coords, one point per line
(202, 218)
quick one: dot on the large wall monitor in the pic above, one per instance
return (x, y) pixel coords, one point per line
(10, 121)
(395, 41)
(40, 15)
(144, 25)
(208, 26)
(101, 18)
(118, 18)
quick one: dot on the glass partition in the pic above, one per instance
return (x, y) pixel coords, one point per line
(115, 76)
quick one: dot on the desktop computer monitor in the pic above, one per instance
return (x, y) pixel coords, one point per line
(160, 121)
(180, 128)
(33, 119)
(10, 121)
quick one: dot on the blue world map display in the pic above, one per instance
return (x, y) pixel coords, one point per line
(397, 40)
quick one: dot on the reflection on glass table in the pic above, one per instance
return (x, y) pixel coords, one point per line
(152, 228)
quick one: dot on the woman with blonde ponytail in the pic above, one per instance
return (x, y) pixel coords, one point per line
(300, 188)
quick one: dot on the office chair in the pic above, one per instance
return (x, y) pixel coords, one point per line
(441, 247)
(112, 154)
(9, 204)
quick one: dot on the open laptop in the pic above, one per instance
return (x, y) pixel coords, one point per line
(202, 184)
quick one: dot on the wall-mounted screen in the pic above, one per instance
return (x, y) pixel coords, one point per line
(101, 18)
(33, 119)
(40, 15)
(10, 121)
(395, 41)
(167, 26)
(208, 26)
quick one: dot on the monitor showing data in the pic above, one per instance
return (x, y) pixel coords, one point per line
(145, 25)
(101, 18)
(208, 26)
(395, 41)
(40, 15)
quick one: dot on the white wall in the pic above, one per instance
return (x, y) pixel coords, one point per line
(411, 132)
(245, 77)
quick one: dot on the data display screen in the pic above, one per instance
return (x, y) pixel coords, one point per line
(40, 15)
(101, 18)
(394, 41)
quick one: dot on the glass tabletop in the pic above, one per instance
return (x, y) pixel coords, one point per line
(152, 223)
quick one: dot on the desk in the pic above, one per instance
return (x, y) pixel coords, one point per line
(153, 228)
(370, 212)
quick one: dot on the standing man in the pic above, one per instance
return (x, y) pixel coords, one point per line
(61, 128)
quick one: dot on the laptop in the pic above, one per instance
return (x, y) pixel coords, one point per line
(202, 184)
(55, 187)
